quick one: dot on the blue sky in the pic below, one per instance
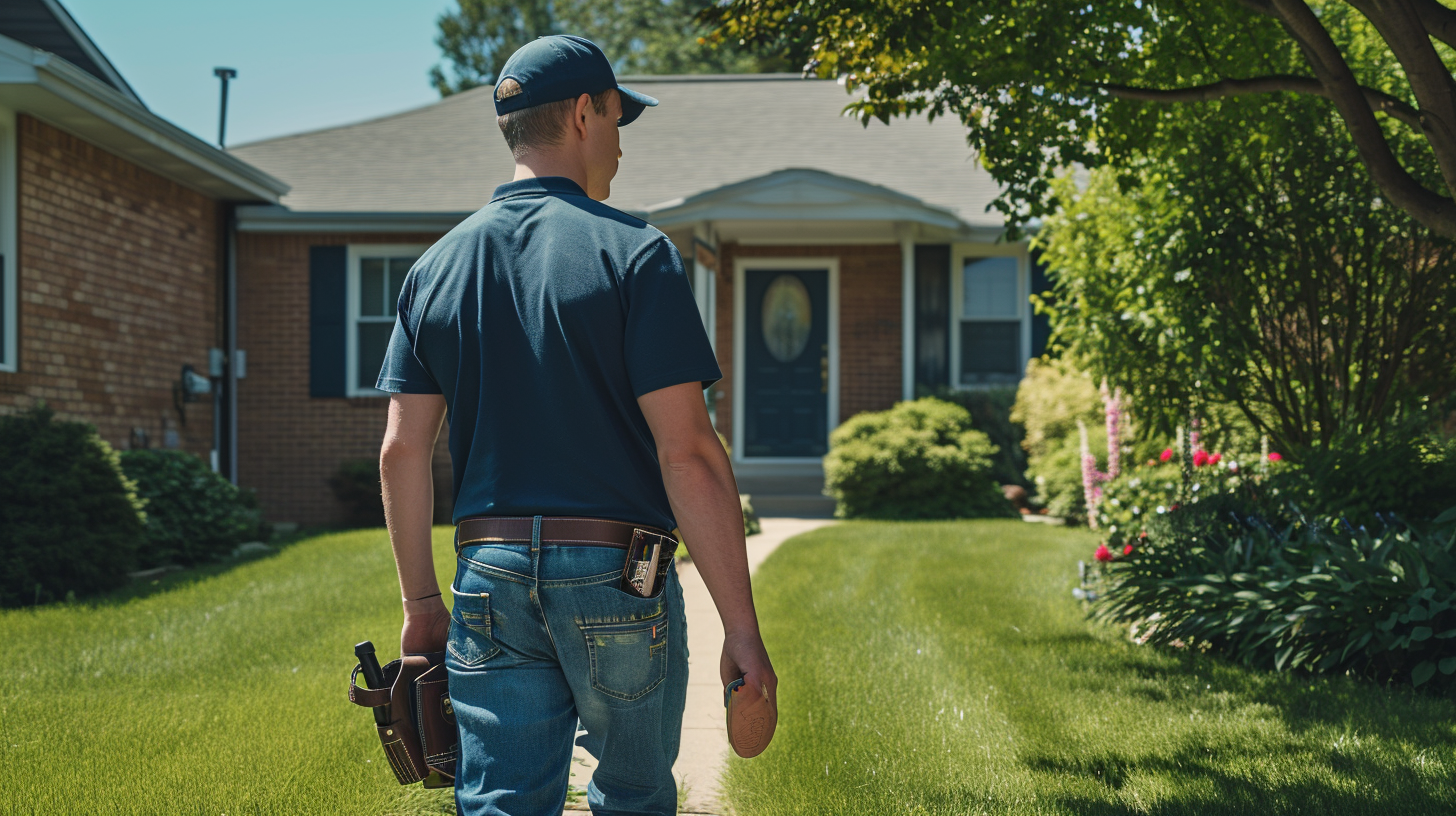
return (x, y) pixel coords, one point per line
(302, 64)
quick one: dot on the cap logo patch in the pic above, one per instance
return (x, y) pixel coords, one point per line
(507, 88)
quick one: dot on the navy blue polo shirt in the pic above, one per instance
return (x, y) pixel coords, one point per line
(541, 319)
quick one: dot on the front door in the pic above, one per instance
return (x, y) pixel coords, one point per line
(786, 362)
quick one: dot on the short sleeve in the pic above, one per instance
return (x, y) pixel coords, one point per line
(402, 372)
(666, 343)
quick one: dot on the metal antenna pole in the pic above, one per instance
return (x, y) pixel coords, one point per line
(223, 74)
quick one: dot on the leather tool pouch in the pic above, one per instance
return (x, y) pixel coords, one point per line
(420, 741)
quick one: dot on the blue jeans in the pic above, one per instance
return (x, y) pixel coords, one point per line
(541, 637)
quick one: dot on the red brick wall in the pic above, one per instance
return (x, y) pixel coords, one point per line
(118, 274)
(869, 324)
(289, 443)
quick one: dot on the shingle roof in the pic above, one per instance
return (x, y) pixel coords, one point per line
(708, 132)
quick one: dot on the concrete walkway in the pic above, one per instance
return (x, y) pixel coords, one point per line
(704, 748)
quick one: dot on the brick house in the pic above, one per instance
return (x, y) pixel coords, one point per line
(836, 267)
(114, 239)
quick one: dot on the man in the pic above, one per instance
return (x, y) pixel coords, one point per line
(562, 338)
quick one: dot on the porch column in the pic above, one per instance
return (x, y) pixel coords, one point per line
(907, 310)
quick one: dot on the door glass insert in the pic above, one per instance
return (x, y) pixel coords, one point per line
(786, 318)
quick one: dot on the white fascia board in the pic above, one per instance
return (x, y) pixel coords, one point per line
(44, 85)
(277, 218)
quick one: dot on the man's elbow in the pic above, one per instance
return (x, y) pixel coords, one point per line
(396, 452)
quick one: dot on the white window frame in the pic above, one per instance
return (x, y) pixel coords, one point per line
(356, 253)
(10, 276)
(960, 254)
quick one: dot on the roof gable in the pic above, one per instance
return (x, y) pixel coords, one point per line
(46, 25)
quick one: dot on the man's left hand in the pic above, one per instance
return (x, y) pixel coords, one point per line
(426, 626)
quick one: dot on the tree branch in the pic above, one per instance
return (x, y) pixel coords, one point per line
(1378, 100)
(1431, 209)
(1440, 22)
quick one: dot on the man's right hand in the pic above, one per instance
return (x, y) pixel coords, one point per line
(745, 656)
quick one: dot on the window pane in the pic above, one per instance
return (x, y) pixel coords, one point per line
(398, 268)
(371, 287)
(373, 341)
(990, 288)
(990, 351)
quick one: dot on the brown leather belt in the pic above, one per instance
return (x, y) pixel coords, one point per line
(569, 530)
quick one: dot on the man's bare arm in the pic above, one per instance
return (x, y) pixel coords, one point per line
(704, 498)
(409, 503)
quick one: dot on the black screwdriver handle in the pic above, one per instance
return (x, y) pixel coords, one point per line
(373, 677)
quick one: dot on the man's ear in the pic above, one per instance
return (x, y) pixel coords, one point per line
(578, 116)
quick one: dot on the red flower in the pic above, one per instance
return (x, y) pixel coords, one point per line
(1165, 455)
(1102, 554)
(1127, 550)
(1274, 457)
(1143, 534)
(1200, 459)
(1213, 460)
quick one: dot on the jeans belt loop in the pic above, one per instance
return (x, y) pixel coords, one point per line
(536, 534)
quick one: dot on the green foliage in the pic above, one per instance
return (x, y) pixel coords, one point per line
(991, 414)
(357, 487)
(1360, 478)
(1323, 597)
(1275, 282)
(640, 36)
(751, 525)
(1050, 400)
(193, 514)
(71, 520)
(920, 459)
(1045, 85)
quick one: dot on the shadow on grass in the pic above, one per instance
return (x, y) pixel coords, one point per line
(179, 579)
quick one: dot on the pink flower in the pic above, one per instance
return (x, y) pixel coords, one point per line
(1200, 458)
(1165, 455)
(1102, 554)
(1127, 550)
(1213, 460)
(1274, 457)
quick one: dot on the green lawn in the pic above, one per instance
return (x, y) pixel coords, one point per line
(943, 667)
(218, 691)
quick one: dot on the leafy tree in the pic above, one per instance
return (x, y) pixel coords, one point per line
(643, 36)
(1047, 84)
(1274, 279)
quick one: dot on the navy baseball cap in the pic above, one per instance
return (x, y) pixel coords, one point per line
(561, 66)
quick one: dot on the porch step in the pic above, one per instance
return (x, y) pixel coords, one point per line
(792, 505)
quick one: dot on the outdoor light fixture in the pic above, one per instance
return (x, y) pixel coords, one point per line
(187, 389)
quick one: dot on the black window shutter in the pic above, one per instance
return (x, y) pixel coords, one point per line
(326, 323)
(1041, 327)
(932, 315)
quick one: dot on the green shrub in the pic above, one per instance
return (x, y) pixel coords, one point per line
(920, 459)
(71, 520)
(1321, 597)
(193, 514)
(356, 485)
(1358, 478)
(1049, 401)
(750, 518)
(991, 414)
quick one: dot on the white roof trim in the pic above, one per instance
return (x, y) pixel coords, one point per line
(42, 84)
(277, 218)
(802, 195)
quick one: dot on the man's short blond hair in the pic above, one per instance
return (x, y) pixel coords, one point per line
(539, 125)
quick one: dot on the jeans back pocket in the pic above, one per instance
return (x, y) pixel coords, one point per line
(469, 641)
(629, 659)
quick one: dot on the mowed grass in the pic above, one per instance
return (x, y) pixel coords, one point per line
(944, 668)
(222, 691)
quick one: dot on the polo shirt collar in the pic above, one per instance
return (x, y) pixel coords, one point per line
(542, 185)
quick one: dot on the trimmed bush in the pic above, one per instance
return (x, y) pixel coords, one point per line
(193, 514)
(71, 520)
(356, 485)
(991, 414)
(920, 459)
(1320, 597)
(1049, 401)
